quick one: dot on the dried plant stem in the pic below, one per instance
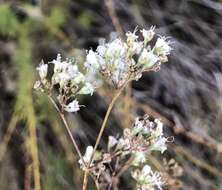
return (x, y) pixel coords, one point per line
(67, 129)
(116, 96)
(112, 13)
(120, 172)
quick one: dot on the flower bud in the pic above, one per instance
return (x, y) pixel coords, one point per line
(148, 34)
(43, 70)
(162, 46)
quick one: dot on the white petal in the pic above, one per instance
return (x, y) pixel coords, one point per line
(112, 142)
(87, 89)
(72, 106)
(88, 154)
(43, 70)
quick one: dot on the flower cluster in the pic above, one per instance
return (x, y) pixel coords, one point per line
(145, 136)
(121, 60)
(118, 61)
(136, 144)
(147, 179)
(67, 78)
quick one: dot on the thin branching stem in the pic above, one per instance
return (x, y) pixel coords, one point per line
(116, 96)
(67, 129)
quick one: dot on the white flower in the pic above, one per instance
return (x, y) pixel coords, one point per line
(65, 72)
(139, 158)
(72, 70)
(101, 49)
(59, 65)
(87, 156)
(112, 142)
(115, 49)
(123, 143)
(147, 59)
(146, 170)
(147, 179)
(162, 46)
(72, 106)
(143, 176)
(61, 78)
(131, 37)
(158, 131)
(79, 78)
(119, 71)
(91, 60)
(87, 89)
(135, 47)
(159, 144)
(120, 65)
(43, 70)
(157, 180)
(138, 126)
(148, 34)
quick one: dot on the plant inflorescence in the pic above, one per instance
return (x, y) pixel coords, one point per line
(116, 62)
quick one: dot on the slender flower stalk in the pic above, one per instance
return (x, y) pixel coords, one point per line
(103, 126)
(67, 129)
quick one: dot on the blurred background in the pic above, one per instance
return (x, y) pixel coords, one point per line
(186, 94)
